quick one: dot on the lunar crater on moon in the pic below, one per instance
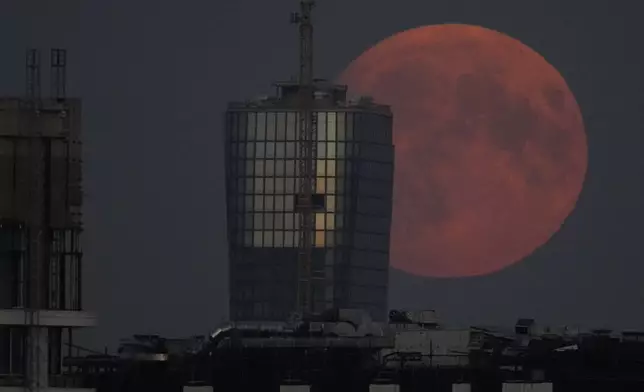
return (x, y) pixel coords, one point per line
(490, 148)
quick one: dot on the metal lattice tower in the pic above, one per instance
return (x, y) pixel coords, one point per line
(306, 150)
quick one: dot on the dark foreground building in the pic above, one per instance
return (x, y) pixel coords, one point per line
(353, 198)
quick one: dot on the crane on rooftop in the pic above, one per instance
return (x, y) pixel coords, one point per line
(307, 127)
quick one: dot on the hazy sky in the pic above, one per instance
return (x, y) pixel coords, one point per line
(155, 77)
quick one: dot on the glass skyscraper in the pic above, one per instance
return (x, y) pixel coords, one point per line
(353, 193)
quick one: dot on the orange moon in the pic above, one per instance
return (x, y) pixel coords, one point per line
(491, 151)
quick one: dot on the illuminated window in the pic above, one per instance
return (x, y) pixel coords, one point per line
(331, 150)
(330, 203)
(320, 168)
(319, 221)
(330, 185)
(330, 128)
(320, 185)
(330, 168)
(319, 239)
(321, 153)
(330, 222)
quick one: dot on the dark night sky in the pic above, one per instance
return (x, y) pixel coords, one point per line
(155, 77)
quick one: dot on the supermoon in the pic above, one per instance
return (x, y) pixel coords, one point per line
(491, 151)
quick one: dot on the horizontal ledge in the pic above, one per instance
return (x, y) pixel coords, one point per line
(48, 318)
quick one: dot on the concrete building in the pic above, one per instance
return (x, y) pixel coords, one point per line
(40, 228)
(352, 197)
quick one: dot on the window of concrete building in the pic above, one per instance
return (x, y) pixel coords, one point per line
(251, 128)
(320, 167)
(257, 238)
(319, 239)
(268, 239)
(290, 168)
(260, 150)
(341, 124)
(331, 126)
(330, 203)
(331, 150)
(291, 126)
(278, 221)
(279, 239)
(280, 131)
(259, 185)
(261, 126)
(289, 239)
(321, 150)
(291, 150)
(321, 117)
(270, 150)
(269, 184)
(270, 126)
(250, 150)
(258, 202)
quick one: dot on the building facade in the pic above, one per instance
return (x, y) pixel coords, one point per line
(353, 190)
(40, 229)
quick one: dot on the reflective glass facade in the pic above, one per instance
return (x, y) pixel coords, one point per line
(354, 173)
